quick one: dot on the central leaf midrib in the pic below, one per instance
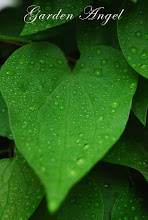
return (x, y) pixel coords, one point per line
(65, 137)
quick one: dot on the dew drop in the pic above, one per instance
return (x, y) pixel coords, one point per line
(10, 73)
(101, 118)
(132, 85)
(114, 104)
(72, 173)
(103, 62)
(138, 34)
(146, 37)
(56, 103)
(60, 62)
(99, 51)
(80, 135)
(144, 55)
(80, 161)
(32, 108)
(133, 208)
(82, 65)
(117, 64)
(129, 58)
(62, 107)
(143, 66)
(42, 61)
(133, 50)
(86, 146)
(98, 72)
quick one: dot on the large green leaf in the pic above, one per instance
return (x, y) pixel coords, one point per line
(4, 119)
(140, 101)
(133, 35)
(131, 153)
(52, 7)
(20, 189)
(83, 202)
(131, 204)
(63, 122)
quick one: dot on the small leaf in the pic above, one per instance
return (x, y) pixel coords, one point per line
(129, 152)
(111, 180)
(91, 33)
(39, 21)
(133, 35)
(4, 120)
(131, 204)
(63, 122)
(20, 190)
(83, 202)
(140, 100)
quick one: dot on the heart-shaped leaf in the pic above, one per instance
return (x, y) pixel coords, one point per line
(20, 189)
(140, 100)
(63, 122)
(133, 35)
(42, 14)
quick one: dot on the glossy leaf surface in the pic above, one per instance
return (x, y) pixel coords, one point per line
(63, 122)
(20, 189)
(40, 20)
(133, 35)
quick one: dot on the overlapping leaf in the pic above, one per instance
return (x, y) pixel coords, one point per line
(52, 7)
(91, 33)
(63, 122)
(133, 35)
(131, 204)
(83, 202)
(20, 189)
(129, 152)
(140, 101)
(12, 23)
(111, 180)
(4, 119)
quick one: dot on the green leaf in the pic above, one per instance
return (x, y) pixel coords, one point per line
(63, 122)
(140, 101)
(4, 120)
(135, 1)
(54, 8)
(131, 204)
(20, 189)
(107, 181)
(91, 33)
(129, 152)
(12, 24)
(83, 202)
(111, 181)
(133, 35)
